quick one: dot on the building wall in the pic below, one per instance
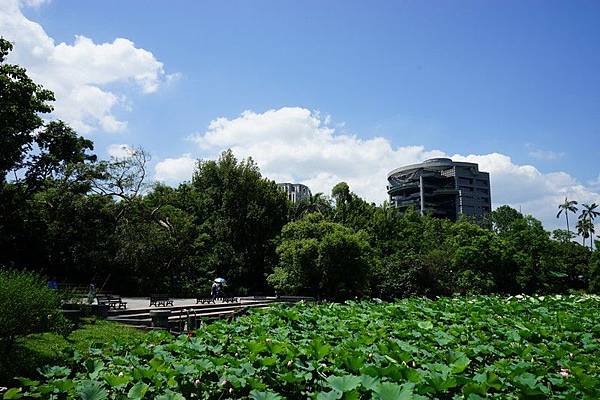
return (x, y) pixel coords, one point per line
(295, 191)
(447, 188)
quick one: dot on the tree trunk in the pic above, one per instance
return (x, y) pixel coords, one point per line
(567, 217)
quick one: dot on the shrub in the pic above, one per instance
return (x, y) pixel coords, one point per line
(27, 305)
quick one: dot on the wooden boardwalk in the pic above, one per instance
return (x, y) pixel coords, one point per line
(185, 314)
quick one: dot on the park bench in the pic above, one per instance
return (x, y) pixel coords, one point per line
(230, 299)
(160, 300)
(114, 302)
(206, 300)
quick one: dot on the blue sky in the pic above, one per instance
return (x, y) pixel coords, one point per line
(469, 78)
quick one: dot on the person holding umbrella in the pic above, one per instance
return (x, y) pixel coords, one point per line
(216, 291)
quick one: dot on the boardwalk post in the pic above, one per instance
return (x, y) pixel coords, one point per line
(160, 318)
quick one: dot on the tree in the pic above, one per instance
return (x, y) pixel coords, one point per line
(504, 218)
(562, 236)
(322, 258)
(589, 212)
(43, 171)
(316, 203)
(341, 193)
(566, 207)
(584, 228)
(21, 102)
(594, 285)
(240, 213)
(122, 177)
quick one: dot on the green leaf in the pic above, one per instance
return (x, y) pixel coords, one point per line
(331, 395)
(63, 385)
(369, 382)
(91, 390)
(425, 324)
(256, 395)
(460, 364)
(116, 381)
(56, 372)
(344, 383)
(138, 391)
(170, 395)
(320, 349)
(28, 382)
(13, 393)
(392, 391)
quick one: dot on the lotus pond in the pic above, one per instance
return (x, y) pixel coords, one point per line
(452, 348)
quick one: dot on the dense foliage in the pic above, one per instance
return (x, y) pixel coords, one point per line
(51, 348)
(322, 259)
(452, 348)
(66, 214)
(27, 306)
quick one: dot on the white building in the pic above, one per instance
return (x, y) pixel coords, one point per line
(295, 191)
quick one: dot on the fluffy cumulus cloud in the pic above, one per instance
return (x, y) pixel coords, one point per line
(174, 170)
(299, 145)
(119, 150)
(546, 155)
(79, 73)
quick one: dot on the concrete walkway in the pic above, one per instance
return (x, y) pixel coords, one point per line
(138, 303)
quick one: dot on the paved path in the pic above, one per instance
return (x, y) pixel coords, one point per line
(136, 303)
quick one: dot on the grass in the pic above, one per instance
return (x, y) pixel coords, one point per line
(34, 351)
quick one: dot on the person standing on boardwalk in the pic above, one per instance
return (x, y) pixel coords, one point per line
(91, 293)
(214, 290)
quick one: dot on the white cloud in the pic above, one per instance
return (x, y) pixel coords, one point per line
(295, 144)
(174, 170)
(78, 73)
(119, 150)
(596, 182)
(546, 155)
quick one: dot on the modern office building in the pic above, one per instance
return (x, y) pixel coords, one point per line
(442, 187)
(295, 191)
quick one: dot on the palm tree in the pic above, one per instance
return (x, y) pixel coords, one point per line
(584, 228)
(566, 207)
(589, 212)
(314, 203)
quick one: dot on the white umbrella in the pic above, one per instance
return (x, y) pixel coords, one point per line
(220, 280)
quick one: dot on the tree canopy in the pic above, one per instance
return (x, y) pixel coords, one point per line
(65, 213)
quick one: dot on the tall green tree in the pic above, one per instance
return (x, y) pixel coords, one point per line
(241, 213)
(341, 193)
(21, 103)
(315, 203)
(42, 174)
(323, 259)
(584, 228)
(565, 208)
(504, 218)
(589, 212)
